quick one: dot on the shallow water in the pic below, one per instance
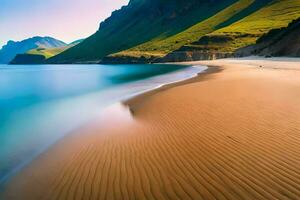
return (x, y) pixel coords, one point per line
(39, 104)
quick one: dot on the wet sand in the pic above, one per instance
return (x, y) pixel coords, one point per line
(232, 133)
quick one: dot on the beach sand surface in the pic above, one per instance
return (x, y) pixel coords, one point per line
(231, 133)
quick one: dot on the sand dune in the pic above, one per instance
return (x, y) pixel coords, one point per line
(233, 134)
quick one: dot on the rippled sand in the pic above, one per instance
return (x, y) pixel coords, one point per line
(230, 134)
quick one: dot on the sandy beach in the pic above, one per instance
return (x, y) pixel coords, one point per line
(230, 133)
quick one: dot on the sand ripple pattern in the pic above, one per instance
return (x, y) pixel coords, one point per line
(229, 137)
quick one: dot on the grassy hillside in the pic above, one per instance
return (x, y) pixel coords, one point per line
(41, 53)
(48, 53)
(277, 42)
(247, 30)
(140, 22)
(147, 30)
(12, 48)
(160, 46)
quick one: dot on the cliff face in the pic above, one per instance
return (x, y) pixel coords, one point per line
(207, 48)
(194, 55)
(278, 42)
(126, 60)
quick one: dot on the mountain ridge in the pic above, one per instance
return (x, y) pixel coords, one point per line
(224, 42)
(40, 54)
(140, 22)
(12, 48)
(164, 30)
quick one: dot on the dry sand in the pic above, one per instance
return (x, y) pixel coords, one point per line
(231, 134)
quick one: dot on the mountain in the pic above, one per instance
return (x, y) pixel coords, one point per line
(139, 22)
(52, 51)
(224, 42)
(40, 54)
(11, 49)
(277, 42)
(75, 42)
(179, 30)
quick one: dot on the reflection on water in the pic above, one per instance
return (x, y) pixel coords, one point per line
(40, 104)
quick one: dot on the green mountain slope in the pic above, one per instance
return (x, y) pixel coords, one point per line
(50, 52)
(225, 41)
(275, 15)
(140, 22)
(165, 30)
(12, 48)
(40, 54)
(46, 52)
(277, 42)
(161, 46)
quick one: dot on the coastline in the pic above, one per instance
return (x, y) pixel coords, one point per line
(204, 69)
(127, 91)
(197, 77)
(223, 134)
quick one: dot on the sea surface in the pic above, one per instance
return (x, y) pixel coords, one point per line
(39, 104)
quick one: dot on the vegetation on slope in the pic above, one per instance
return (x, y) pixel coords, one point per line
(11, 49)
(277, 42)
(247, 30)
(47, 52)
(40, 54)
(159, 47)
(139, 22)
(225, 41)
(50, 52)
(147, 30)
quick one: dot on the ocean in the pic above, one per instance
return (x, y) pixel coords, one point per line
(40, 104)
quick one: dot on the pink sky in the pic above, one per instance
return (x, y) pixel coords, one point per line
(67, 20)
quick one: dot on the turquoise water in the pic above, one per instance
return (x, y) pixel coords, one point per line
(40, 104)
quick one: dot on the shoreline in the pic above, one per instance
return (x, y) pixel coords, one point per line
(232, 132)
(16, 169)
(211, 69)
(167, 84)
(40, 152)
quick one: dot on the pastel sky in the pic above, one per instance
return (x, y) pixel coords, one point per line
(67, 20)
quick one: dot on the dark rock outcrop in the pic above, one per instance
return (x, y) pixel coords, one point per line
(194, 55)
(206, 48)
(125, 60)
(21, 59)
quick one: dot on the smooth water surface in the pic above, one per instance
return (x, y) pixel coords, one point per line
(41, 103)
